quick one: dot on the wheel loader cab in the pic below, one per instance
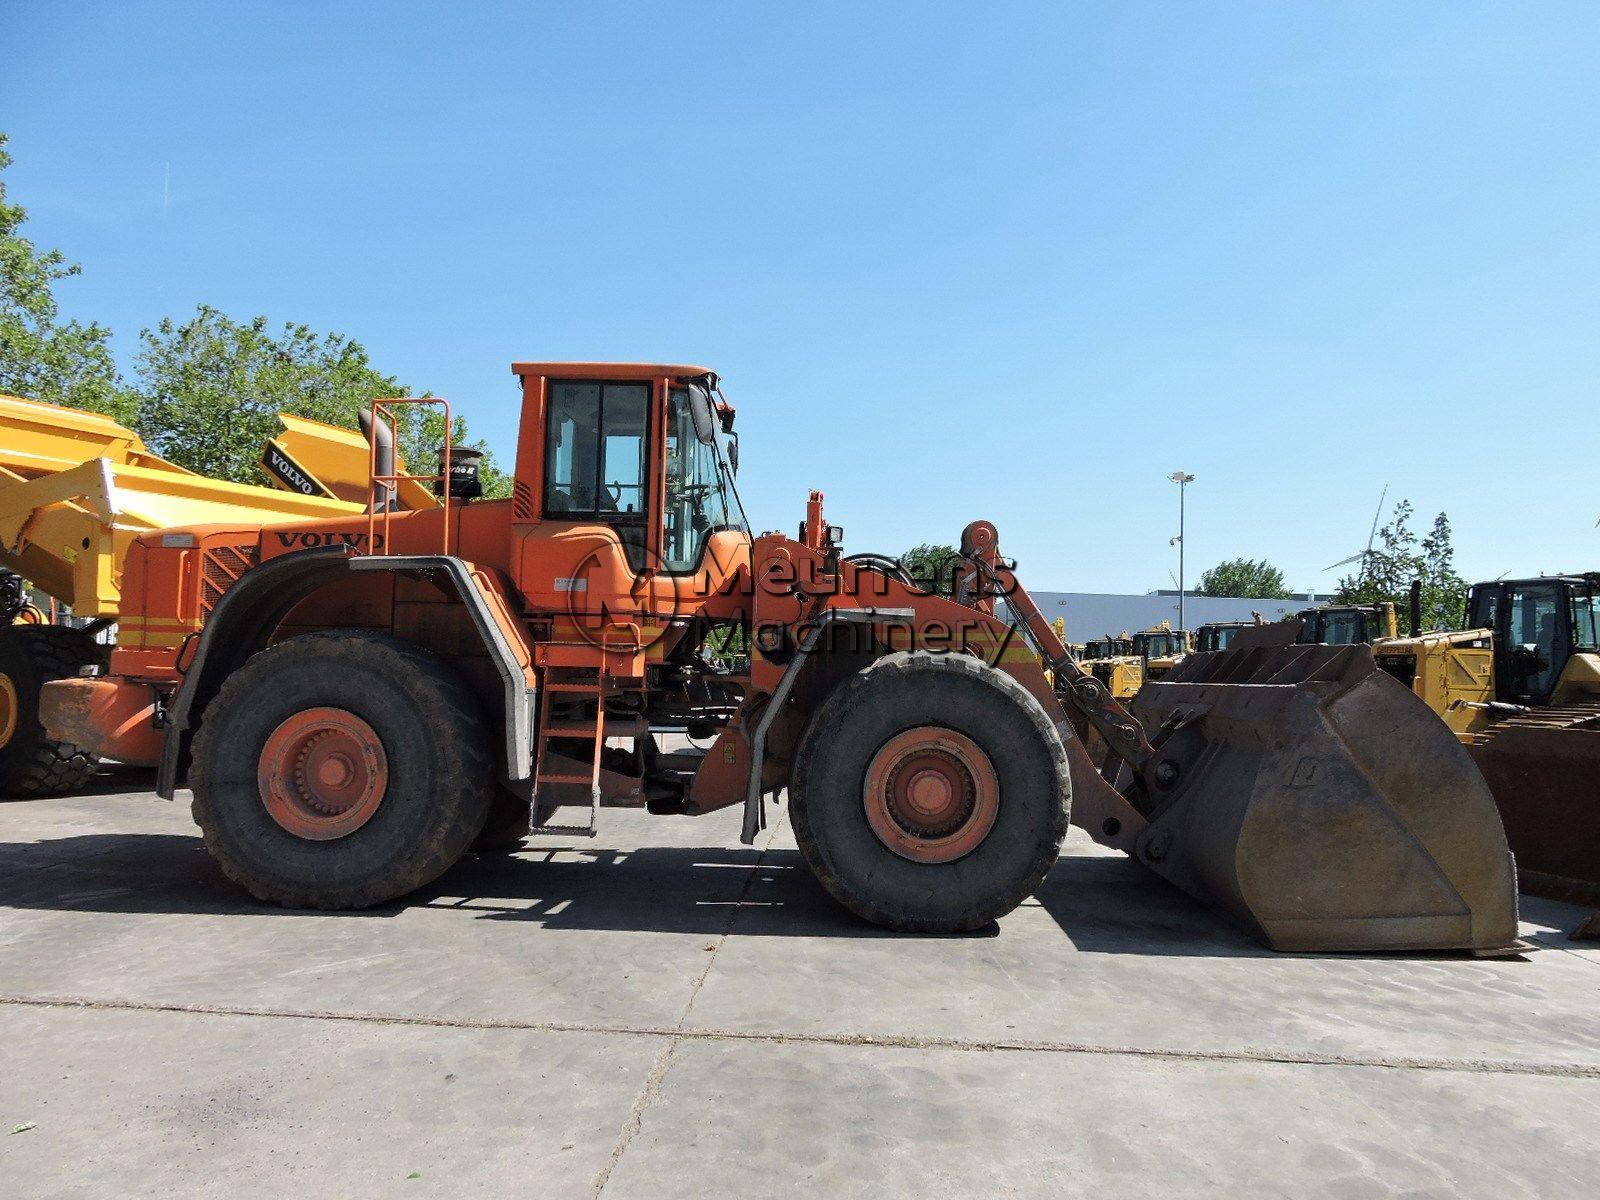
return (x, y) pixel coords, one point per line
(1219, 635)
(1345, 626)
(1160, 643)
(625, 506)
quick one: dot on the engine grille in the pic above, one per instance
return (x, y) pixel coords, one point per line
(220, 568)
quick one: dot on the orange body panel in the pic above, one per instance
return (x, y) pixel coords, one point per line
(114, 718)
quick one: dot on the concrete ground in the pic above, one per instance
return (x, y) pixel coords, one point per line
(663, 1013)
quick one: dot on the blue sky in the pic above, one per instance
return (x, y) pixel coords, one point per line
(1009, 261)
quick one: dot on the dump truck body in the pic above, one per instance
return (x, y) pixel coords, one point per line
(76, 489)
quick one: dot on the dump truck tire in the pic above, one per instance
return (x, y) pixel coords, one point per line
(32, 764)
(930, 793)
(340, 770)
(507, 825)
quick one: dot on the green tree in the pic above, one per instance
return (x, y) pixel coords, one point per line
(41, 356)
(210, 388)
(931, 567)
(1243, 577)
(1399, 557)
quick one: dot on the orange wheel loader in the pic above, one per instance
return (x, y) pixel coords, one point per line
(356, 701)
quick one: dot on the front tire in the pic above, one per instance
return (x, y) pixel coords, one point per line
(340, 770)
(930, 793)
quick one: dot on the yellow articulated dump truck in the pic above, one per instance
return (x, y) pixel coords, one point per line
(75, 489)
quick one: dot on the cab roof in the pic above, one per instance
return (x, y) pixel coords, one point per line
(610, 370)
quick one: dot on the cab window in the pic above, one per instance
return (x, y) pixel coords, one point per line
(595, 447)
(1533, 632)
(1343, 629)
(700, 496)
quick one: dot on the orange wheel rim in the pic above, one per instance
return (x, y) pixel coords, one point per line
(9, 707)
(931, 795)
(322, 774)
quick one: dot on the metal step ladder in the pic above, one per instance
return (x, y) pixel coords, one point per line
(577, 682)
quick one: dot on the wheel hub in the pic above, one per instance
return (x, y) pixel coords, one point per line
(931, 794)
(322, 773)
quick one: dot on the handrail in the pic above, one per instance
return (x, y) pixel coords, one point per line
(385, 410)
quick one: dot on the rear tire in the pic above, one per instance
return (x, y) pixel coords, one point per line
(434, 780)
(916, 713)
(32, 764)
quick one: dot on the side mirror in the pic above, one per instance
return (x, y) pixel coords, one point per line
(733, 453)
(701, 413)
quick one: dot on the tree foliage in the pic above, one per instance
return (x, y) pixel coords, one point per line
(1243, 577)
(1399, 556)
(209, 391)
(931, 567)
(41, 356)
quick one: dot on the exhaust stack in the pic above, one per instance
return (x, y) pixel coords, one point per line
(381, 437)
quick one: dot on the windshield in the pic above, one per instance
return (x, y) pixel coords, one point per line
(1157, 645)
(1343, 629)
(1217, 639)
(700, 494)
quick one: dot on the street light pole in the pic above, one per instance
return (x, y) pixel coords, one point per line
(1183, 481)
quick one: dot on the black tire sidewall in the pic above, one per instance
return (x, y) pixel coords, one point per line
(31, 656)
(433, 786)
(17, 664)
(906, 691)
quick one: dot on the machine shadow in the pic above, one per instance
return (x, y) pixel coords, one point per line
(1101, 904)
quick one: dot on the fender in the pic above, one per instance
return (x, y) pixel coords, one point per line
(253, 607)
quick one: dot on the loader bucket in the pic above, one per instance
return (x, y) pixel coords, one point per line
(1320, 803)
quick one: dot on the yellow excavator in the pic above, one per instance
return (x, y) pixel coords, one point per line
(76, 490)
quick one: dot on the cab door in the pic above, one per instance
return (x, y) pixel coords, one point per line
(1536, 641)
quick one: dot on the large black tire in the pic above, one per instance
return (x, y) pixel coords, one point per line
(441, 771)
(902, 692)
(31, 764)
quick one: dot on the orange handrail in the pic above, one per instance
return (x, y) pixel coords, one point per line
(383, 410)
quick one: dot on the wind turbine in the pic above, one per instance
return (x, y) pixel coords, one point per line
(1371, 537)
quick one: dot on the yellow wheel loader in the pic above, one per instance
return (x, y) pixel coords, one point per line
(1160, 648)
(1113, 661)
